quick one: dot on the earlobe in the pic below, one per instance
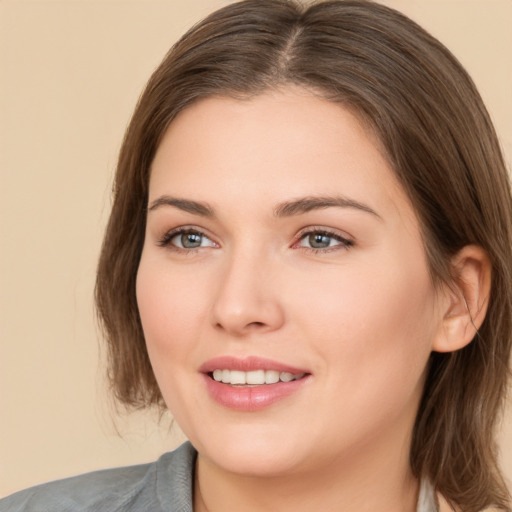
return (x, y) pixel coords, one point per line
(465, 300)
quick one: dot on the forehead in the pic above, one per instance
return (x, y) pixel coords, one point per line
(275, 146)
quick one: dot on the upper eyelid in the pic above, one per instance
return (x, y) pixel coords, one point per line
(187, 229)
(328, 231)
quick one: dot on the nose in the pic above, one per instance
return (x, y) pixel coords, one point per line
(247, 299)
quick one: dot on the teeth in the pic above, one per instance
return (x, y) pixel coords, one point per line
(255, 377)
(237, 377)
(271, 377)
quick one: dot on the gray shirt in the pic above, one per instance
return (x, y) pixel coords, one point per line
(162, 486)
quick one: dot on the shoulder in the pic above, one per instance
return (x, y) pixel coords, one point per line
(162, 485)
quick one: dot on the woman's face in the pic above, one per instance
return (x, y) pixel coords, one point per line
(280, 246)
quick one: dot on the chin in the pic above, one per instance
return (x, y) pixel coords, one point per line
(262, 454)
(253, 463)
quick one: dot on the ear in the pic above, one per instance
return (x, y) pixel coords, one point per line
(465, 301)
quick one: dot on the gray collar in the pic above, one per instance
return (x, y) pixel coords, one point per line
(427, 501)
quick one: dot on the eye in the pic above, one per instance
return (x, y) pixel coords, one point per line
(318, 240)
(186, 239)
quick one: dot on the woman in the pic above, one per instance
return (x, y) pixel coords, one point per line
(308, 262)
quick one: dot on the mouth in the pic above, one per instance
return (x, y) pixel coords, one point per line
(258, 377)
(253, 383)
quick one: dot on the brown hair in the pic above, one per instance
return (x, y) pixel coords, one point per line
(438, 137)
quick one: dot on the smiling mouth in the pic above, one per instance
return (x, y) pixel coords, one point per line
(254, 377)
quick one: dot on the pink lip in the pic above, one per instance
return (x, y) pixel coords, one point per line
(247, 364)
(253, 398)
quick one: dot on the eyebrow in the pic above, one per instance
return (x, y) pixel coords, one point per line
(307, 204)
(284, 209)
(187, 205)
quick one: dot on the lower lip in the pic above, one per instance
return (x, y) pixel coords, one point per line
(253, 398)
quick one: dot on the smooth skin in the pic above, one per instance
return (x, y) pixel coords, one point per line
(343, 291)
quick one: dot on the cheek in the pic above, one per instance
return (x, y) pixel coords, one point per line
(169, 325)
(170, 297)
(373, 329)
(171, 305)
(369, 305)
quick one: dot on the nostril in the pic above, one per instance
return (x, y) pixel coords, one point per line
(256, 324)
(251, 325)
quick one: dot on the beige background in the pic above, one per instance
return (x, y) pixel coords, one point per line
(70, 74)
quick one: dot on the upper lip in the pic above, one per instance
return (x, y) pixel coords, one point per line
(247, 364)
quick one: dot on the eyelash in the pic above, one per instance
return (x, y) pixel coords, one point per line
(165, 241)
(344, 243)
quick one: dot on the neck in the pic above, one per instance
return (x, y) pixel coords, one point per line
(379, 480)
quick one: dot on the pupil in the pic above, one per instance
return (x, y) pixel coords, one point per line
(319, 241)
(191, 240)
